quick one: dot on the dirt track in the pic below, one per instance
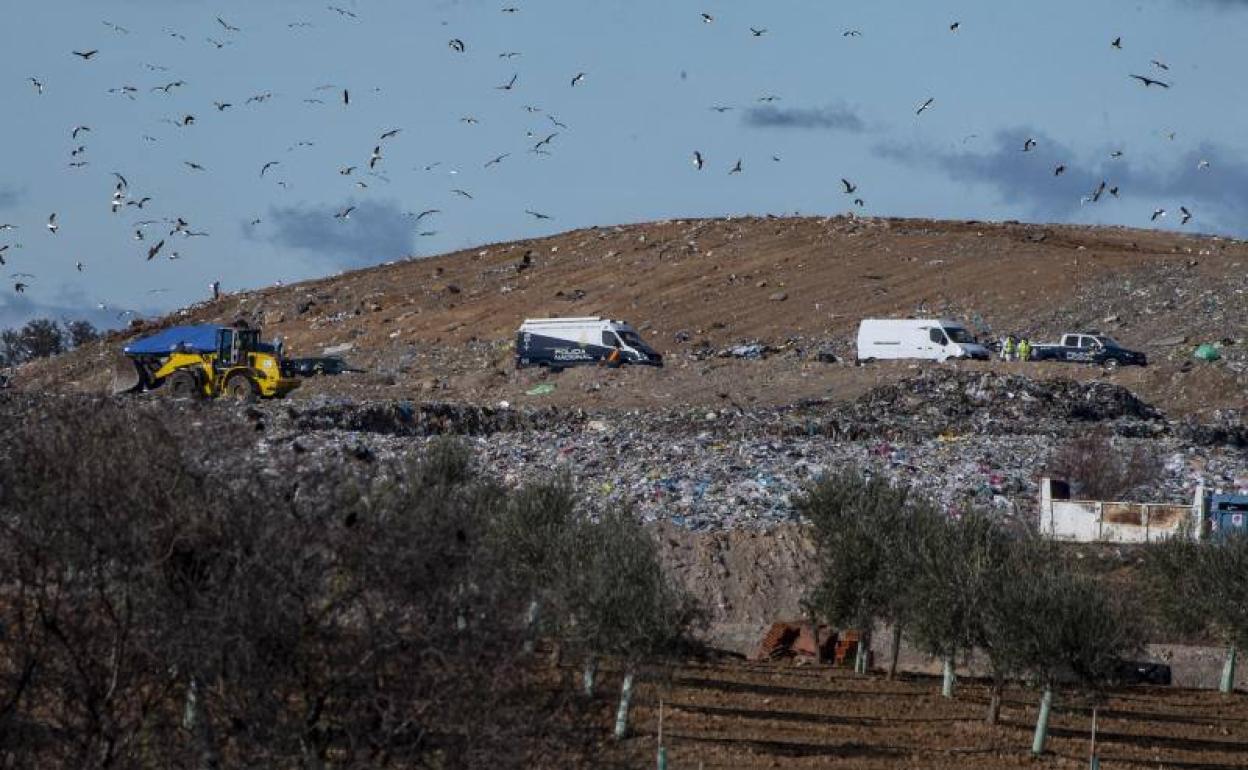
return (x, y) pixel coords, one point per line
(748, 715)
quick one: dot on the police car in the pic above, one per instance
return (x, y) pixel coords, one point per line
(1089, 348)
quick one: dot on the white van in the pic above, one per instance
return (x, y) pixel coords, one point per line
(561, 342)
(930, 339)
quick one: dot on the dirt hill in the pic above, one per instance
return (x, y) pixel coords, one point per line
(441, 327)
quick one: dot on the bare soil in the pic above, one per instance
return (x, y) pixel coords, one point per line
(764, 715)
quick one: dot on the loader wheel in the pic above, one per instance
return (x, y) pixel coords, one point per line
(240, 388)
(184, 384)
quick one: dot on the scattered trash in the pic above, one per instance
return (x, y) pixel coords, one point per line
(1207, 352)
(541, 389)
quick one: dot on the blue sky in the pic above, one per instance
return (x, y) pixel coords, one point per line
(845, 107)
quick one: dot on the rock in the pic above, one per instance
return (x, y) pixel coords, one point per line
(334, 350)
(779, 296)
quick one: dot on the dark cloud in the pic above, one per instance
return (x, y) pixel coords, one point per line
(835, 117)
(1217, 195)
(375, 232)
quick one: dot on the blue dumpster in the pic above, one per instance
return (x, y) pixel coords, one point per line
(1228, 515)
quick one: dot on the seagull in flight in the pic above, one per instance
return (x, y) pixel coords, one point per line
(1028, 144)
(1156, 214)
(1117, 43)
(555, 120)
(52, 225)
(345, 213)
(228, 27)
(86, 55)
(1150, 82)
(1158, 64)
(580, 76)
(222, 106)
(852, 33)
(389, 134)
(77, 130)
(426, 213)
(1202, 165)
(849, 186)
(268, 166)
(537, 214)
(721, 109)
(707, 18)
(758, 32)
(925, 105)
(37, 84)
(461, 192)
(154, 250)
(194, 166)
(736, 168)
(376, 156)
(456, 44)
(697, 160)
(342, 11)
(496, 160)
(1061, 169)
(1186, 214)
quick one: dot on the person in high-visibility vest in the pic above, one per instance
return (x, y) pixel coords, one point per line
(1007, 348)
(1024, 349)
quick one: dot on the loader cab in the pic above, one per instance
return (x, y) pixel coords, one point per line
(233, 345)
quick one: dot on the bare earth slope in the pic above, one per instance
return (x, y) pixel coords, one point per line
(442, 326)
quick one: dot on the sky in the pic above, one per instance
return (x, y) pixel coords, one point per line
(808, 105)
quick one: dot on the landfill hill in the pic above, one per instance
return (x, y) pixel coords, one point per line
(441, 327)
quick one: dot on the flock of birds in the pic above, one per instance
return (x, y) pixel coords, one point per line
(159, 234)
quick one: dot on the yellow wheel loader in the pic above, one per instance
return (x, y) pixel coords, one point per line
(205, 361)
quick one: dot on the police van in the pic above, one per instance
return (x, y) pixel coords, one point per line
(562, 342)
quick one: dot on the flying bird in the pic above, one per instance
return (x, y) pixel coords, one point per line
(222, 106)
(758, 32)
(140, 202)
(78, 265)
(736, 169)
(1117, 43)
(154, 250)
(268, 166)
(1100, 189)
(52, 225)
(1158, 64)
(769, 98)
(1114, 191)
(1028, 144)
(456, 44)
(38, 85)
(1157, 213)
(77, 130)
(852, 33)
(697, 160)
(376, 156)
(537, 214)
(228, 27)
(346, 97)
(1116, 154)
(545, 141)
(578, 78)
(496, 160)
(719, 108)
(86, 54)
(346, 170)
(1061, 169)
(193, 166)
(1186, 215)
(19, 287)
(1202, 165)
(461, 192)
(427, 213)
(554, 120)
(390, 134)
(1150, 82)
(508, 54)
(508, 85)
(345, 213)
(924, 105)
(707, 18)
(849, 186)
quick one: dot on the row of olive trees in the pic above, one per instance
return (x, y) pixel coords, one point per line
(958, 585)
(166, 602)
(42, 337)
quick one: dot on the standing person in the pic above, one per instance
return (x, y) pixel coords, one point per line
(216, 289)
(1007, 348)
(1024, 349)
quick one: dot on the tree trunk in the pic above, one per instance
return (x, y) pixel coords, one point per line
(896, 651)
(994, 699)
